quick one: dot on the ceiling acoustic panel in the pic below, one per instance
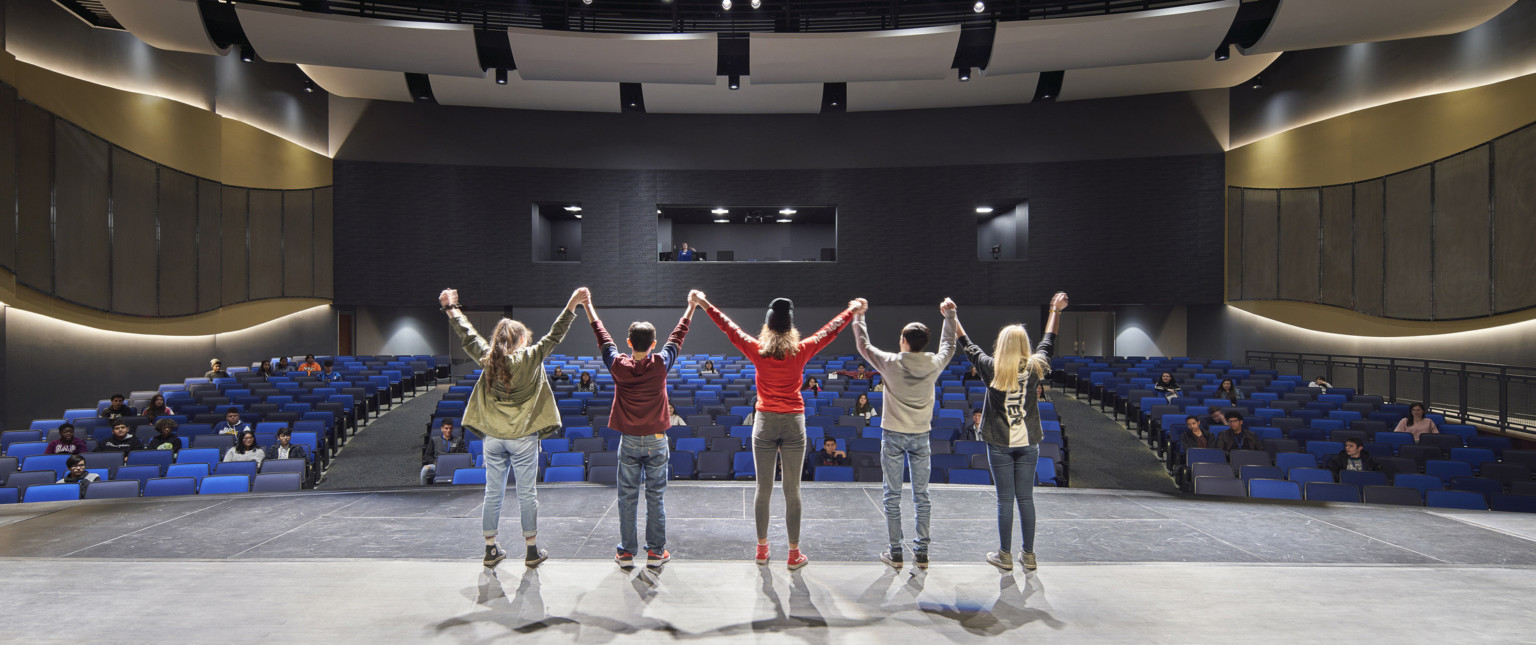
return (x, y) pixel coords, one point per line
(1156, 36)
(614, 58)
(1309, 24)
(172, 25)
(360, 83)
(801, 98)
(288, 36)
(523, 94)
(989, 89)
(892, 55)
(1154, 78)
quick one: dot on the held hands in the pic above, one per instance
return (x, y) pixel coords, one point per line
(947, 306)
(1059, 301)
(858, 306)
(579, 296)
(448, 298)
(696, 298)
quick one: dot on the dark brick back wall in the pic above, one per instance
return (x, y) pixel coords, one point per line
(1145, 231)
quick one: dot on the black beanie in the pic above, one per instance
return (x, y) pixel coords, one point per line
(781, 315)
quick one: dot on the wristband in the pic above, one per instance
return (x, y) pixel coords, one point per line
(452, 306)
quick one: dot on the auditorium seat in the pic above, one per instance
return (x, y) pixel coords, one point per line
(1274, 489)
(1220, 486)
(970, 476)
(1455, 499)
(224, 484)
(1319, 491)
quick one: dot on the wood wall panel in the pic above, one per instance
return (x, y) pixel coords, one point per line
(1260, 243)
(34, 198)
(266, 229)
(233, 261)
(1514, 221)
(298, 243)
(135, 246)
(210, 245)
(1461, 236)
(1298, 262)
(1370, 245)
(83, 241)
(178, 243)
(1338, 250)
(1409, 226)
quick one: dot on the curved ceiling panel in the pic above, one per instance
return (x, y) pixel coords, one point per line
(615, 58)
(1153, 78)
(991, 89)
(359, 83)
(287, 36)
(893, 55)
(173, 25)
(1156, 36)
(1308, 24)
(522, 94)
(789, 98)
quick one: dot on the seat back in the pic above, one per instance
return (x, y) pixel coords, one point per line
(168, 486)
(1220, 486)
(1330, 492)
(469, 476)
(51, 493)
(277, 482)
(1455, 499)
(970, 476)
(1395, 495)
(834, 473)
(223, 484)
(1274, 489)
(112, 490)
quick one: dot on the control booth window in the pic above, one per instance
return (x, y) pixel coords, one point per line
(726, 233)
(1002, 229)
(556, 232)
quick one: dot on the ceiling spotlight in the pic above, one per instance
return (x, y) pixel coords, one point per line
(1223, 52)
(309, 86)
(725, 4)
(983, 209)
(586, 1)
(734, 80)
(573, 209)
(785, 220)
(578, 216)
(979, 6)
(1045, 95)
(965, 74)
(787, 211)
(722, 220)
(246, 55)
(721, 211)
(757, 4)
(1258, 82)
(501, 76)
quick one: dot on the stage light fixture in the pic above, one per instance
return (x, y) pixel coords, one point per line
(734, 80)
(573, 209)
(586, 2)
(757, 4)
(722, 220)
(501, 76)
(721, 211)
(1258, 82)
(983, 209)
(246, 55)
(309, 86)
(1224, 52)
(725, 4)
(965, 74)
(787, 211)
(979, 6)
(785, 220)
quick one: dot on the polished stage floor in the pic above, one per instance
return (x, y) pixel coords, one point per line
(1116, 566)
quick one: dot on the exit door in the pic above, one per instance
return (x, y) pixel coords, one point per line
(1086, 333)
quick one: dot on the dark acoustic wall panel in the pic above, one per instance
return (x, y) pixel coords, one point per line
(83, 242)
(1514, 209)
(34, 197)
(178, 243)
(1461, 235)
(1260, 239)
(233, 264)
(135, 249)
(8, 177)
(1338, 252)
(1408, 231)
(266, 227)
(1298, 261)
(1370, 245)
(298, 243)
(1234, 244)
(210, 245)
(324, 244)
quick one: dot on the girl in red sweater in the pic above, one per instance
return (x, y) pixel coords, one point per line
(778, 429)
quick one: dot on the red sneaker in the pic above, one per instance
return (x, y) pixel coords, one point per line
(654, 560)
(762, 554)
(797, 560)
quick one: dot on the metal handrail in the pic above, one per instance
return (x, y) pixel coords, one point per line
(1491, 394)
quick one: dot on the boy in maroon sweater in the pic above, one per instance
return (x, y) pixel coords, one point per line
(640, 414)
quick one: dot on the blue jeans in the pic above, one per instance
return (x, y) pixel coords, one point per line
(649, 458)
(522, 457)
(897, 450)
(1013, 472)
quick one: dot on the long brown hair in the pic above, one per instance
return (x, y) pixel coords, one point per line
(507, 338)
(772, 344)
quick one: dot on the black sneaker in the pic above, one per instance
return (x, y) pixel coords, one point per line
(920, 559)
(493, 556)
(892, 558)
(625, 559)
(654, 560)
(536, 558)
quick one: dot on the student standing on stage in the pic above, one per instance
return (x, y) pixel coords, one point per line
(1011, 424)
(907, 420)
(778, 425)
(510, 407)
(641, 414)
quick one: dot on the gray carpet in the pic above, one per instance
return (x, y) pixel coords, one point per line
(1104, 453)
(388, 450)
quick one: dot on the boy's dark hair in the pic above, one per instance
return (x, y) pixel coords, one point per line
(828, 440)
(1192, 417)
(115, 397)
(66, 426)
(229, 410)
(74, 460)
(330, 363)
(309, 357)
(121, 422)
(1357, 441)
(641, 335)
(164, 423)
(1234, 415)
(916, 335)
(285, 431)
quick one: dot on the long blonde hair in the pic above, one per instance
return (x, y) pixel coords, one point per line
(1012, 357)
(507, 338)
(772, 344)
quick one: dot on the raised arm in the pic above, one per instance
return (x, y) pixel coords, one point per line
(877, 358)
(829, 331)
(674, 344)
(973, 352)
(473, 343)
(1047, 344)
(947, 334)
(743, 342)
(605, 344)
(562, 324)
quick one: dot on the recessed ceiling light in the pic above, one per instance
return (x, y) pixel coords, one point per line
(979, 6)
(720, 211)
(785, 220)
(578, 216)
(965, 74)
(722, 221)
(757, 4)
(787, 211)
(573, 208)
(983, 209)
(725, 4)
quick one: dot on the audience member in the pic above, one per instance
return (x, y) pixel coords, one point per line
(751, 416)
(245, 449)
(329, 373)
(215, 370)
(1042, 391)
(285, 448)
(1416, 423)
(265, 369)
(673, 417)
(1167, 386)
(829, 455)
(559, 376)
(165, 437)
(443, 443)
(1195, 435)
(283, 366)
(66, 444)
(1228, 390)
(879, 385)
(121, 440)
(686, 254)
(1214, 417)
(709, 369)
(970, 375)
(811, 384)
(232, 423)
(309, 364)
(863, 407)
(77, 473)
(1354, 456)
(586, 384)
(1320, 383)
(1235, 437)
(157, 408)
(972, 431)
(118, 409)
